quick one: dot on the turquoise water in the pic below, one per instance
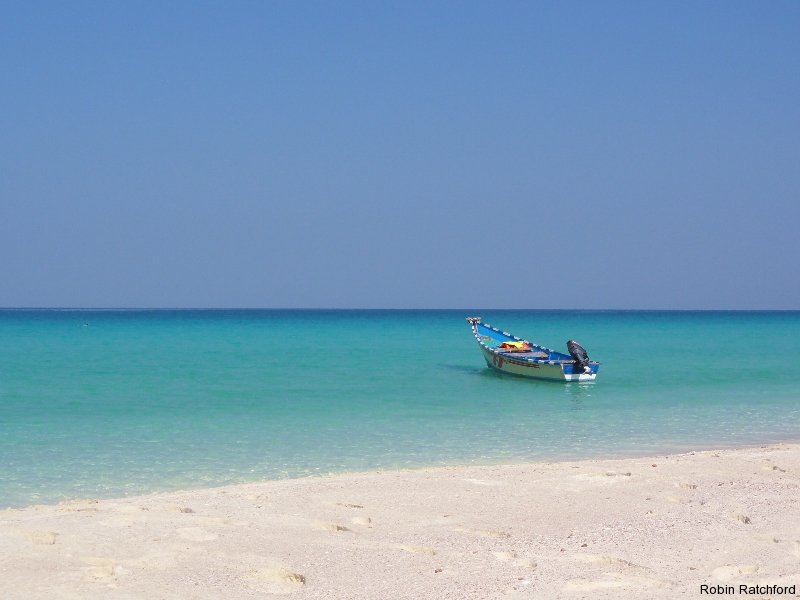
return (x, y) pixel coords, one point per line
(110, 403)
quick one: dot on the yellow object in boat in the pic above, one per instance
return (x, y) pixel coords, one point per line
(516, 345)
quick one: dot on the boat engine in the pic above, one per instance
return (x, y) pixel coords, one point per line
(577, 352)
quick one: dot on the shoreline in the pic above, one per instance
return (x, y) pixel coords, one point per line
(648, 526)
(477, 463)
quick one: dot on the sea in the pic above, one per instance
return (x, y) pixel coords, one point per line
(112, 403)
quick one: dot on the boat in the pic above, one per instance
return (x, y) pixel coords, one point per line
(509, 354)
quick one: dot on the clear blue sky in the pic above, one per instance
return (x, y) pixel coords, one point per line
(407, 155)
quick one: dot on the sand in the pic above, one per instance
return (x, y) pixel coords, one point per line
(657, 527)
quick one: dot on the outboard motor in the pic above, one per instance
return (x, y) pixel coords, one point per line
(577, 352)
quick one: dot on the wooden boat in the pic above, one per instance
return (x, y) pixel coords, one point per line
(510, 354)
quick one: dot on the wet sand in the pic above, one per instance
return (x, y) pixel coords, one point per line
(656, 527)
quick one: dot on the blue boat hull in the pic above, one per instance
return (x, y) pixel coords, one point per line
(534, 370)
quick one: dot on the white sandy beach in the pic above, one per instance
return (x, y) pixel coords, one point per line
(655, 527)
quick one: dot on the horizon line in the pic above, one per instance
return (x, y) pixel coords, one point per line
(386, 309)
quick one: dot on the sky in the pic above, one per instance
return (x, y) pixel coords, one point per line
(600, 155)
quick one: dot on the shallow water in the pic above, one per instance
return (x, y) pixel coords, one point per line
(109, 403)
